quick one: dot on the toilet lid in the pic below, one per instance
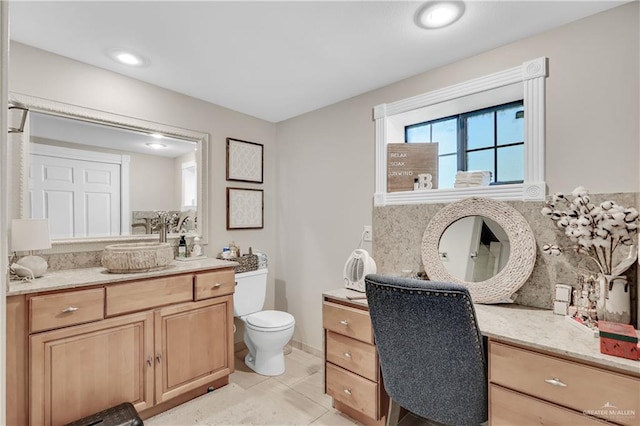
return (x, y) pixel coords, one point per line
(270, 319)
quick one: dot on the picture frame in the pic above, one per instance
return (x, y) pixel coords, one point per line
(245, 161)
(245, 208)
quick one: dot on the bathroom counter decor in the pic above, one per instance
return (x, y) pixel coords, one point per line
(246, 263)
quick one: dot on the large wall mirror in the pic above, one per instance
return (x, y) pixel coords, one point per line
(483, 244)
(101, 176)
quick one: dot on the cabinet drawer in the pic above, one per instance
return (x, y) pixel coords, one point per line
(62, 309)
(140, 295)
(213, 284)
(348, 321)
(563, 382)
(353, 355)
(352, 390)
(511, 408)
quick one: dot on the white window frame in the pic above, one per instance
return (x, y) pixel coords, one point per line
(526, 82)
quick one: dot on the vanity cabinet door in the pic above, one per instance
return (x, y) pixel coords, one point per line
(79, 370)
(194, 345)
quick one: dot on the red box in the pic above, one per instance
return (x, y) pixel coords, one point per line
(618, 340)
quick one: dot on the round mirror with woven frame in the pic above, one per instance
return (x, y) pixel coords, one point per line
(522, 256)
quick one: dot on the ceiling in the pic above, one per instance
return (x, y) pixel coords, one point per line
(277, 60)
(52, 128)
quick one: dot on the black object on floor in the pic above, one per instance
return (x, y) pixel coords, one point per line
(121, 415)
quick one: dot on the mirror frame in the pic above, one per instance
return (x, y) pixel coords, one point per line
(19, 164)
(522, 256)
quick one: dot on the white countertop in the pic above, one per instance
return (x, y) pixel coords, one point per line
(531, 327)
(70, 278)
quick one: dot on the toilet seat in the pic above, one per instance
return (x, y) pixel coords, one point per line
(269, 321)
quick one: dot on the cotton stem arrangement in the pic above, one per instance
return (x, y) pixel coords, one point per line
(597, 230)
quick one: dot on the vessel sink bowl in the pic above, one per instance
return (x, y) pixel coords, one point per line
(136, 257)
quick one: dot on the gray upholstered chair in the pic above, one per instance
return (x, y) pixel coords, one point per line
(431, 351)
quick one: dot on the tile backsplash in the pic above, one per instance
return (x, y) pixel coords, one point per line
(85, 259)
(399, 230)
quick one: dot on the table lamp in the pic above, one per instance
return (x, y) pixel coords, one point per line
(30, 235)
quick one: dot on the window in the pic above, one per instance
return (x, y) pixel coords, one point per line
(189, 186)
(471, 102)
(489, 139)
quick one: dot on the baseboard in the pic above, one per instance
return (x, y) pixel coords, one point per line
(308, 349)
(240, 346)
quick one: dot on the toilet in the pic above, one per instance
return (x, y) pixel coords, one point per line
(265, 332)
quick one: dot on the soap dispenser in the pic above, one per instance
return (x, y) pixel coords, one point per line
(182, 247)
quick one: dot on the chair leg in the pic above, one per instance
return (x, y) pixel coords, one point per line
(394, 413)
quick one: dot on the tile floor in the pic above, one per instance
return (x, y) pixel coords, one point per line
(294, 398)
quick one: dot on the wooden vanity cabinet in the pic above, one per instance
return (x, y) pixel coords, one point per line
(352, 370)
(108, 348)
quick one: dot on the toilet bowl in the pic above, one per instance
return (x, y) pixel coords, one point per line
(265, 332)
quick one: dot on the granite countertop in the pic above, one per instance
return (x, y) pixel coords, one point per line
(71, 278)
(530, 327)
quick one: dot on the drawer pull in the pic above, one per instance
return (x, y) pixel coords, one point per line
(159, 358)
(150, 361)
(347, 391)
(70, 309)
(556, 382)
(217, 285)
(347, 354)
(345, 323)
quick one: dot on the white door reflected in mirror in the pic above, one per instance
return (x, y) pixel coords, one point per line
(474, 248)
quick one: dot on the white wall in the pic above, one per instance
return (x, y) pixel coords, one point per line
(155, 184)
(326, 157)
(38, 73)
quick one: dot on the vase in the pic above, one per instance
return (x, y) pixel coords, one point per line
(614, 302)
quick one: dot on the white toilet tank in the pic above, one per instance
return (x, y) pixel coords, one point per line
(250, 292)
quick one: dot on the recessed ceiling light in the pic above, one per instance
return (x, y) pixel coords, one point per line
(127, 57)
(156, 145)
(439, 14)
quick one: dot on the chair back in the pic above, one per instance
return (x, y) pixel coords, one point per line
(431, 351)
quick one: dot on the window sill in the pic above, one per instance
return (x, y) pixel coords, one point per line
(519, 191)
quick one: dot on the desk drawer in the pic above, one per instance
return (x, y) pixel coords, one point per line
(353, 355)
(511, 408)
(214, 284)
(63, 309)
(563, 382)
(352, 390)
(347, 321)
(141, 295)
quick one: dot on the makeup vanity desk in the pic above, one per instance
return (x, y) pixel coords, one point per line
(542, 369)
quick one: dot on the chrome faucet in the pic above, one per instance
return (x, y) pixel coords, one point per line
(162, 225)
(162, 232)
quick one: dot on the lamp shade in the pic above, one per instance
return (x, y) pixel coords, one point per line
(30, 234)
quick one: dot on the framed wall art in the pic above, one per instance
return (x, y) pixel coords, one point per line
(245, 161)
(245, 208)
